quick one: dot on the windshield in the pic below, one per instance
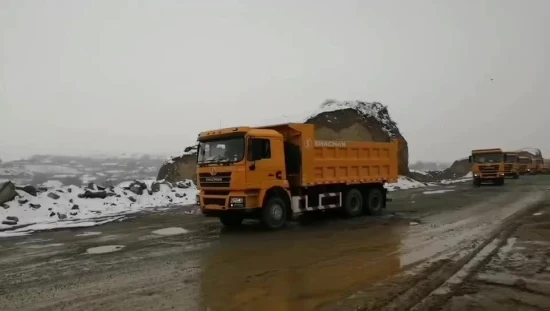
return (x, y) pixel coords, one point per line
(228, 150)
(524, 160)
(511, 159)
(487, 157)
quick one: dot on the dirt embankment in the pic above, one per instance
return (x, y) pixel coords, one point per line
(346, 120)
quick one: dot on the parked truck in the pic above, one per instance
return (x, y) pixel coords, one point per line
(488, 166)
(275, 172)
(525, 165)
(511, 165)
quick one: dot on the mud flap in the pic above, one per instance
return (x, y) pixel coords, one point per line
(386, 199)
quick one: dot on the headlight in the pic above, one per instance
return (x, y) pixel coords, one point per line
(237, 200)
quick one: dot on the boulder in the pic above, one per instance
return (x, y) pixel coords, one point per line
(91, 194)
(28, 189)
(179, 168)
(7, 192)
(53, 195)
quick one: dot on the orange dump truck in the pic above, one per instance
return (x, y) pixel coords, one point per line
(275, 172)
(525, 165)
(488, 166)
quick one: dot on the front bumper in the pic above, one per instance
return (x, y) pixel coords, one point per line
(489, 176)
(234, 200)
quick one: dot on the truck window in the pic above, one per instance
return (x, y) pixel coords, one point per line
(260, 146)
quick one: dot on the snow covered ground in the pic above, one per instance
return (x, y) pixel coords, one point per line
(72, 206)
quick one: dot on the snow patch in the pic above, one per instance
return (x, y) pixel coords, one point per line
(403, 183)
(170, 231)
(437, 191)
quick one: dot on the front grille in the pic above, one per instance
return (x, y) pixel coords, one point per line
(508, 168)
(488, 170)
(523, 167)
(220, 180)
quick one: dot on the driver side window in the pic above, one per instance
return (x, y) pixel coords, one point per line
(258, 149)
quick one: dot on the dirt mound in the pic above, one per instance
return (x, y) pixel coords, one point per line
(334, 120)
(359, 121)
(179, 168)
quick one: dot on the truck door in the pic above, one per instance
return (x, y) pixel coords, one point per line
(265, 162)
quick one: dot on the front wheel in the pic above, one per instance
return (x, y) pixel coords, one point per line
(231, 220)
(274, 213)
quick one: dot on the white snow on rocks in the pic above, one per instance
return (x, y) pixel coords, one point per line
(72, 206)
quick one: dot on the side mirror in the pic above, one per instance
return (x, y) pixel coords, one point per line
(470, 159)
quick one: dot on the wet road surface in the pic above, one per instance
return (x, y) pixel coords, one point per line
(171, 260)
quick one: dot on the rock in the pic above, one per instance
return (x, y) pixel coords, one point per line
(54, 196)
(52, 214)
(184, 184)
(28, 189)
(179, 168)
(23, 201)
(111, 194)
(101, 188)
(113, 204)
(73, 213)
(12, 218)
(5, 206)
(35, 206)
(92, 186)
(9, 222)
(149, 192)
(49, 208)
(70, 190)
(42, 189)
(132, 199)
(70, 200)
(7, 192)
(89, 194)
(136, 189)
(179, 195)
(60, 190)
(62, 216)
(74, 207)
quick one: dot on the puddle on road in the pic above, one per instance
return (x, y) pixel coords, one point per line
(438, 191)
(298, 269)
(104, 249)
(90, 233)
(170, 231)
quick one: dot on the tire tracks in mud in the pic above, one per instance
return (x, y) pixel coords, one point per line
(436, 287)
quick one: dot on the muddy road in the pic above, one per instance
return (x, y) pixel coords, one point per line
(433, 249)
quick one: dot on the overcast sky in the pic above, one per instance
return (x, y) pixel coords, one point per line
(147, 76)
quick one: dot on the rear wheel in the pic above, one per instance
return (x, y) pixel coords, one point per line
(375, 201)
(274, 213)
(353, 205)
(231, 220)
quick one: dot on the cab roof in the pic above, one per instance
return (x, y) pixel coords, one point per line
(493, 150)
(242, 130)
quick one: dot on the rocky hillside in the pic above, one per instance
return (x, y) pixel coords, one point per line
(75, 170)
(334, 120)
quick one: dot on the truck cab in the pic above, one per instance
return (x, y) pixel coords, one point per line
(235, 168)
(525, 165)
(488, 166)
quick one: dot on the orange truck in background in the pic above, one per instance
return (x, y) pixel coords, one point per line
(525, 165)
(545, 166)
(488, 166)
(511, 164)
(275, 172)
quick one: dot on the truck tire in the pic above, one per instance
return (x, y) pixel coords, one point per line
(477, 183)
(499, 182)
(375, 201)
(274, 213)
(231, 220)
(353, 204)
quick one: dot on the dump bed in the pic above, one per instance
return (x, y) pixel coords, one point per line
(321, 162)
